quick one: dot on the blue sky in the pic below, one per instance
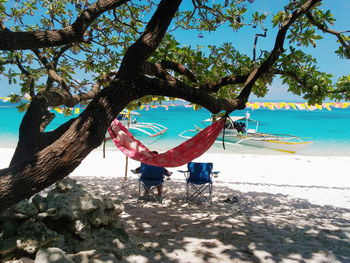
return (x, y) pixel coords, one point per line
(243, 41)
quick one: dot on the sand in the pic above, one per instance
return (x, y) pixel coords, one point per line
(290, 208)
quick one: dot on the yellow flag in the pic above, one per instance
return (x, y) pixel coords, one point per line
(57, 109)
(292, 105)
(5, 99)
(327, 106)
(318, 106)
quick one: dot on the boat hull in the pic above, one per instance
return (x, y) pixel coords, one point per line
(280, 145)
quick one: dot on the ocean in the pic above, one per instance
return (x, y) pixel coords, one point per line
(329, 131)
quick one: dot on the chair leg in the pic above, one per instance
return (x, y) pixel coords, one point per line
(199, 191)
(187, 191)
(210, 192)
(139, 197)
(149, 191)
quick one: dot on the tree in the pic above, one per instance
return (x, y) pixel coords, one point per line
(131, 60)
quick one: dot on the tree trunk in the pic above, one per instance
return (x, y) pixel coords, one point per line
(34, 173)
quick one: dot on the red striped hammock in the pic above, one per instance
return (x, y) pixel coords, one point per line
(180, 155)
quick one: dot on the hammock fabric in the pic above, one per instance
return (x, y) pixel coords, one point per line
(180, 155)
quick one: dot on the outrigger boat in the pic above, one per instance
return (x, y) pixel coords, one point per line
(128, 119)
(237, 132)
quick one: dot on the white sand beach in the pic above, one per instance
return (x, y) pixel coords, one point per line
(291, 208)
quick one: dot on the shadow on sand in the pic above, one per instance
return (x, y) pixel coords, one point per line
(260, 227)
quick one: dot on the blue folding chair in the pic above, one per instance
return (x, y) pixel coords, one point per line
(150, 178)
(199, 179)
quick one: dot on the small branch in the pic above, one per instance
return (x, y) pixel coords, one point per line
(158, 71)
(2, 25)
(123, 23)
(328, 30)
(178, 68)
(94, 90)
(277, 50)
(57, 98)
(292, 75)
(8, 61)
(59, 53)
(256, 41)
(28, 75)
(228, 80)
(51, 70)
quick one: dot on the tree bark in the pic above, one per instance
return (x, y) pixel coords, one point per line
(73, 33)
(41, 169)
(42, 159)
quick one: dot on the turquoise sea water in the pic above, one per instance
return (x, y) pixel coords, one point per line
(329, 130)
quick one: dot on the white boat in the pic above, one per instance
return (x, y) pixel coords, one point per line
(129, 120)
(237, 132)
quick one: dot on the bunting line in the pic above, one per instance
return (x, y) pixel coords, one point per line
(249, 105)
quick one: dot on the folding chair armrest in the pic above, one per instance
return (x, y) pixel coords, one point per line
(186, 173)
(215, 174)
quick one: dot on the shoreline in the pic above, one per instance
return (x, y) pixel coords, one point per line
(315, 149)
(299, 176)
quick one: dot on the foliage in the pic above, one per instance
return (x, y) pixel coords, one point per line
(81, 65)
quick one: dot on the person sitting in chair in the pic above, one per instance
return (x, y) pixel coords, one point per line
(159, 187)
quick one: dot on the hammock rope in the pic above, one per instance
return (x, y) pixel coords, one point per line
(180, 155)
(224, 129)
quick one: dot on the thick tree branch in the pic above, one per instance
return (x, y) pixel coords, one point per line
(82, 135)
(71, 34)
(137, 54)
(228, 80)
(158, 71)
(30, 131)
(57, 98)
(178, 89)
(178, 68)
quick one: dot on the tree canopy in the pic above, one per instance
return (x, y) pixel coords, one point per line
(112, 54)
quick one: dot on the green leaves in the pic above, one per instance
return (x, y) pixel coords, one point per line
(2, 7)
(344, 50)
(300, 72)
(342, 90)
(279, 18)
(80, 65)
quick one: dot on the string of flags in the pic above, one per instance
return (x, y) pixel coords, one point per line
(268, 105)
(249, 105)
(297, 105)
